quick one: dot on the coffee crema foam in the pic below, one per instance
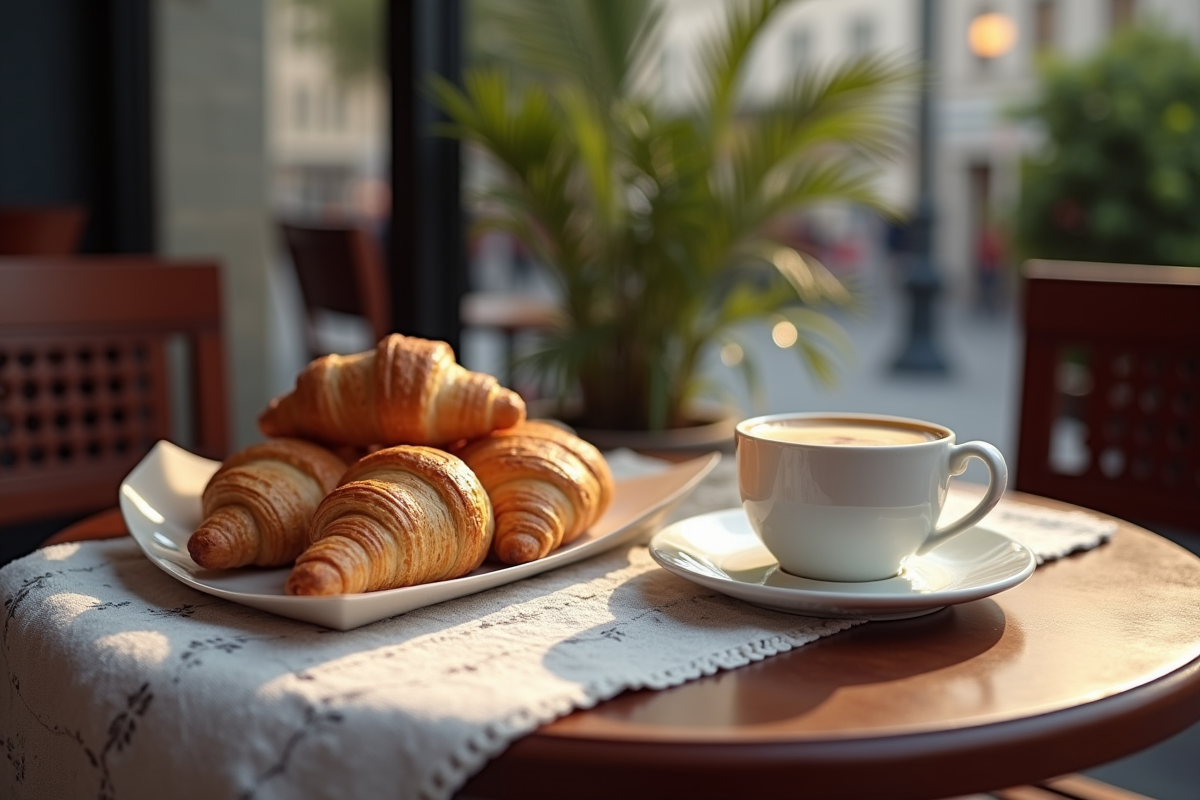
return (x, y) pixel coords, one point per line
(847, 434)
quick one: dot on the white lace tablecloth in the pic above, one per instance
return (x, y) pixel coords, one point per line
(121, 683)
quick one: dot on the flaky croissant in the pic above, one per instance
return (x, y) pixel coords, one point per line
(547, 487)
(258, 505)
(405, 391)
(402, 516)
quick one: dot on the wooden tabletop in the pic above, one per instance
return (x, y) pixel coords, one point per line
(1094, 657)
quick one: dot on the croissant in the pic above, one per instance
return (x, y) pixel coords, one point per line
(258, 504)
(402, 516)
(547, 486)
(405, 391)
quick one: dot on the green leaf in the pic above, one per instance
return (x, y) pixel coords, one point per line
(724, 57)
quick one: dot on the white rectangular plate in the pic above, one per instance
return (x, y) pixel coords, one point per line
(160, 501)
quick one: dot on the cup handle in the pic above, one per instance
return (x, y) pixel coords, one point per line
(997, 482)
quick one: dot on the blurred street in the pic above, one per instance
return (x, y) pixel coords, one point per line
(978, 399)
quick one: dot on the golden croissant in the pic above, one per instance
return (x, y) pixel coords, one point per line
(547, 486)
(402, 516)
(258, 505)
(405, 391)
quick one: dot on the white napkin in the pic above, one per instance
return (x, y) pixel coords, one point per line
(120, 682)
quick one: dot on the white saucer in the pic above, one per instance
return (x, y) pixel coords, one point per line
(721, 551)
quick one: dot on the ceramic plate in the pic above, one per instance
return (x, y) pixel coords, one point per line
(720, 550)
(160, 500)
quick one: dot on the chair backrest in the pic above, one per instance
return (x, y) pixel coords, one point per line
(41, 230)
(339, 269)
(1110, 408)
(85, 376)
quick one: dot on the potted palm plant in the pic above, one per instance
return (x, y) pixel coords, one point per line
(656, 222)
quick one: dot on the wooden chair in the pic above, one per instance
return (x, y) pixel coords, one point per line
(85, 380)
(1067, 787)
(339, 269)
(41, 230)
(1110, 408)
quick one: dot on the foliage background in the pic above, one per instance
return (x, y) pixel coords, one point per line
(1119, 177)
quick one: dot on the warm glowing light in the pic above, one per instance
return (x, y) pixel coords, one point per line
(784, 333)
(731, 354)
(991, 35)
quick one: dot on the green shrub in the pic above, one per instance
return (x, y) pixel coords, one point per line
(1119, 176)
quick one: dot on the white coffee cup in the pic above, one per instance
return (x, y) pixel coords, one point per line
(848, 497)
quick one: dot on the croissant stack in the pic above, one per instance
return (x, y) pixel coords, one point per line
(258, 505)
(402, 516)
(405, 391)
(547, 486)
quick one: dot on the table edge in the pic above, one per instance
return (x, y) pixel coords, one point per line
(984, 756)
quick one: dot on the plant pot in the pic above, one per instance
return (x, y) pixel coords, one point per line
(712, 429)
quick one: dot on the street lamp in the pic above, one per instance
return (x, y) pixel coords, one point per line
(991, 35)
(920, 354)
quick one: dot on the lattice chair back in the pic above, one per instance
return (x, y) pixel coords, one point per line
(1110, 408)
(89, 351)
(339, 269)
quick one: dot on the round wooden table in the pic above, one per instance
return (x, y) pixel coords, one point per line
(1093, 658)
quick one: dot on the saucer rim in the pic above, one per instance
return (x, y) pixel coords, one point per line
(939, 598)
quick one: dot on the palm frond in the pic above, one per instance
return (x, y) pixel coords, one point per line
(855, 103)
(625, 33)
(588, 42)
(746, 300)
(724, 57)
(523, 131)
(590, 133)
(645, 48)
(561, 351)
(836, 177)
(519, 127)
(813, 282)
(845, 110)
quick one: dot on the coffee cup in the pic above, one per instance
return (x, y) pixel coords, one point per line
(848, 497)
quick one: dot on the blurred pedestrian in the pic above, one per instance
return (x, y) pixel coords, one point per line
(989, 262)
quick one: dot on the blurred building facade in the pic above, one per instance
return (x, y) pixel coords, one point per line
(978, 144)
(327, 134)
